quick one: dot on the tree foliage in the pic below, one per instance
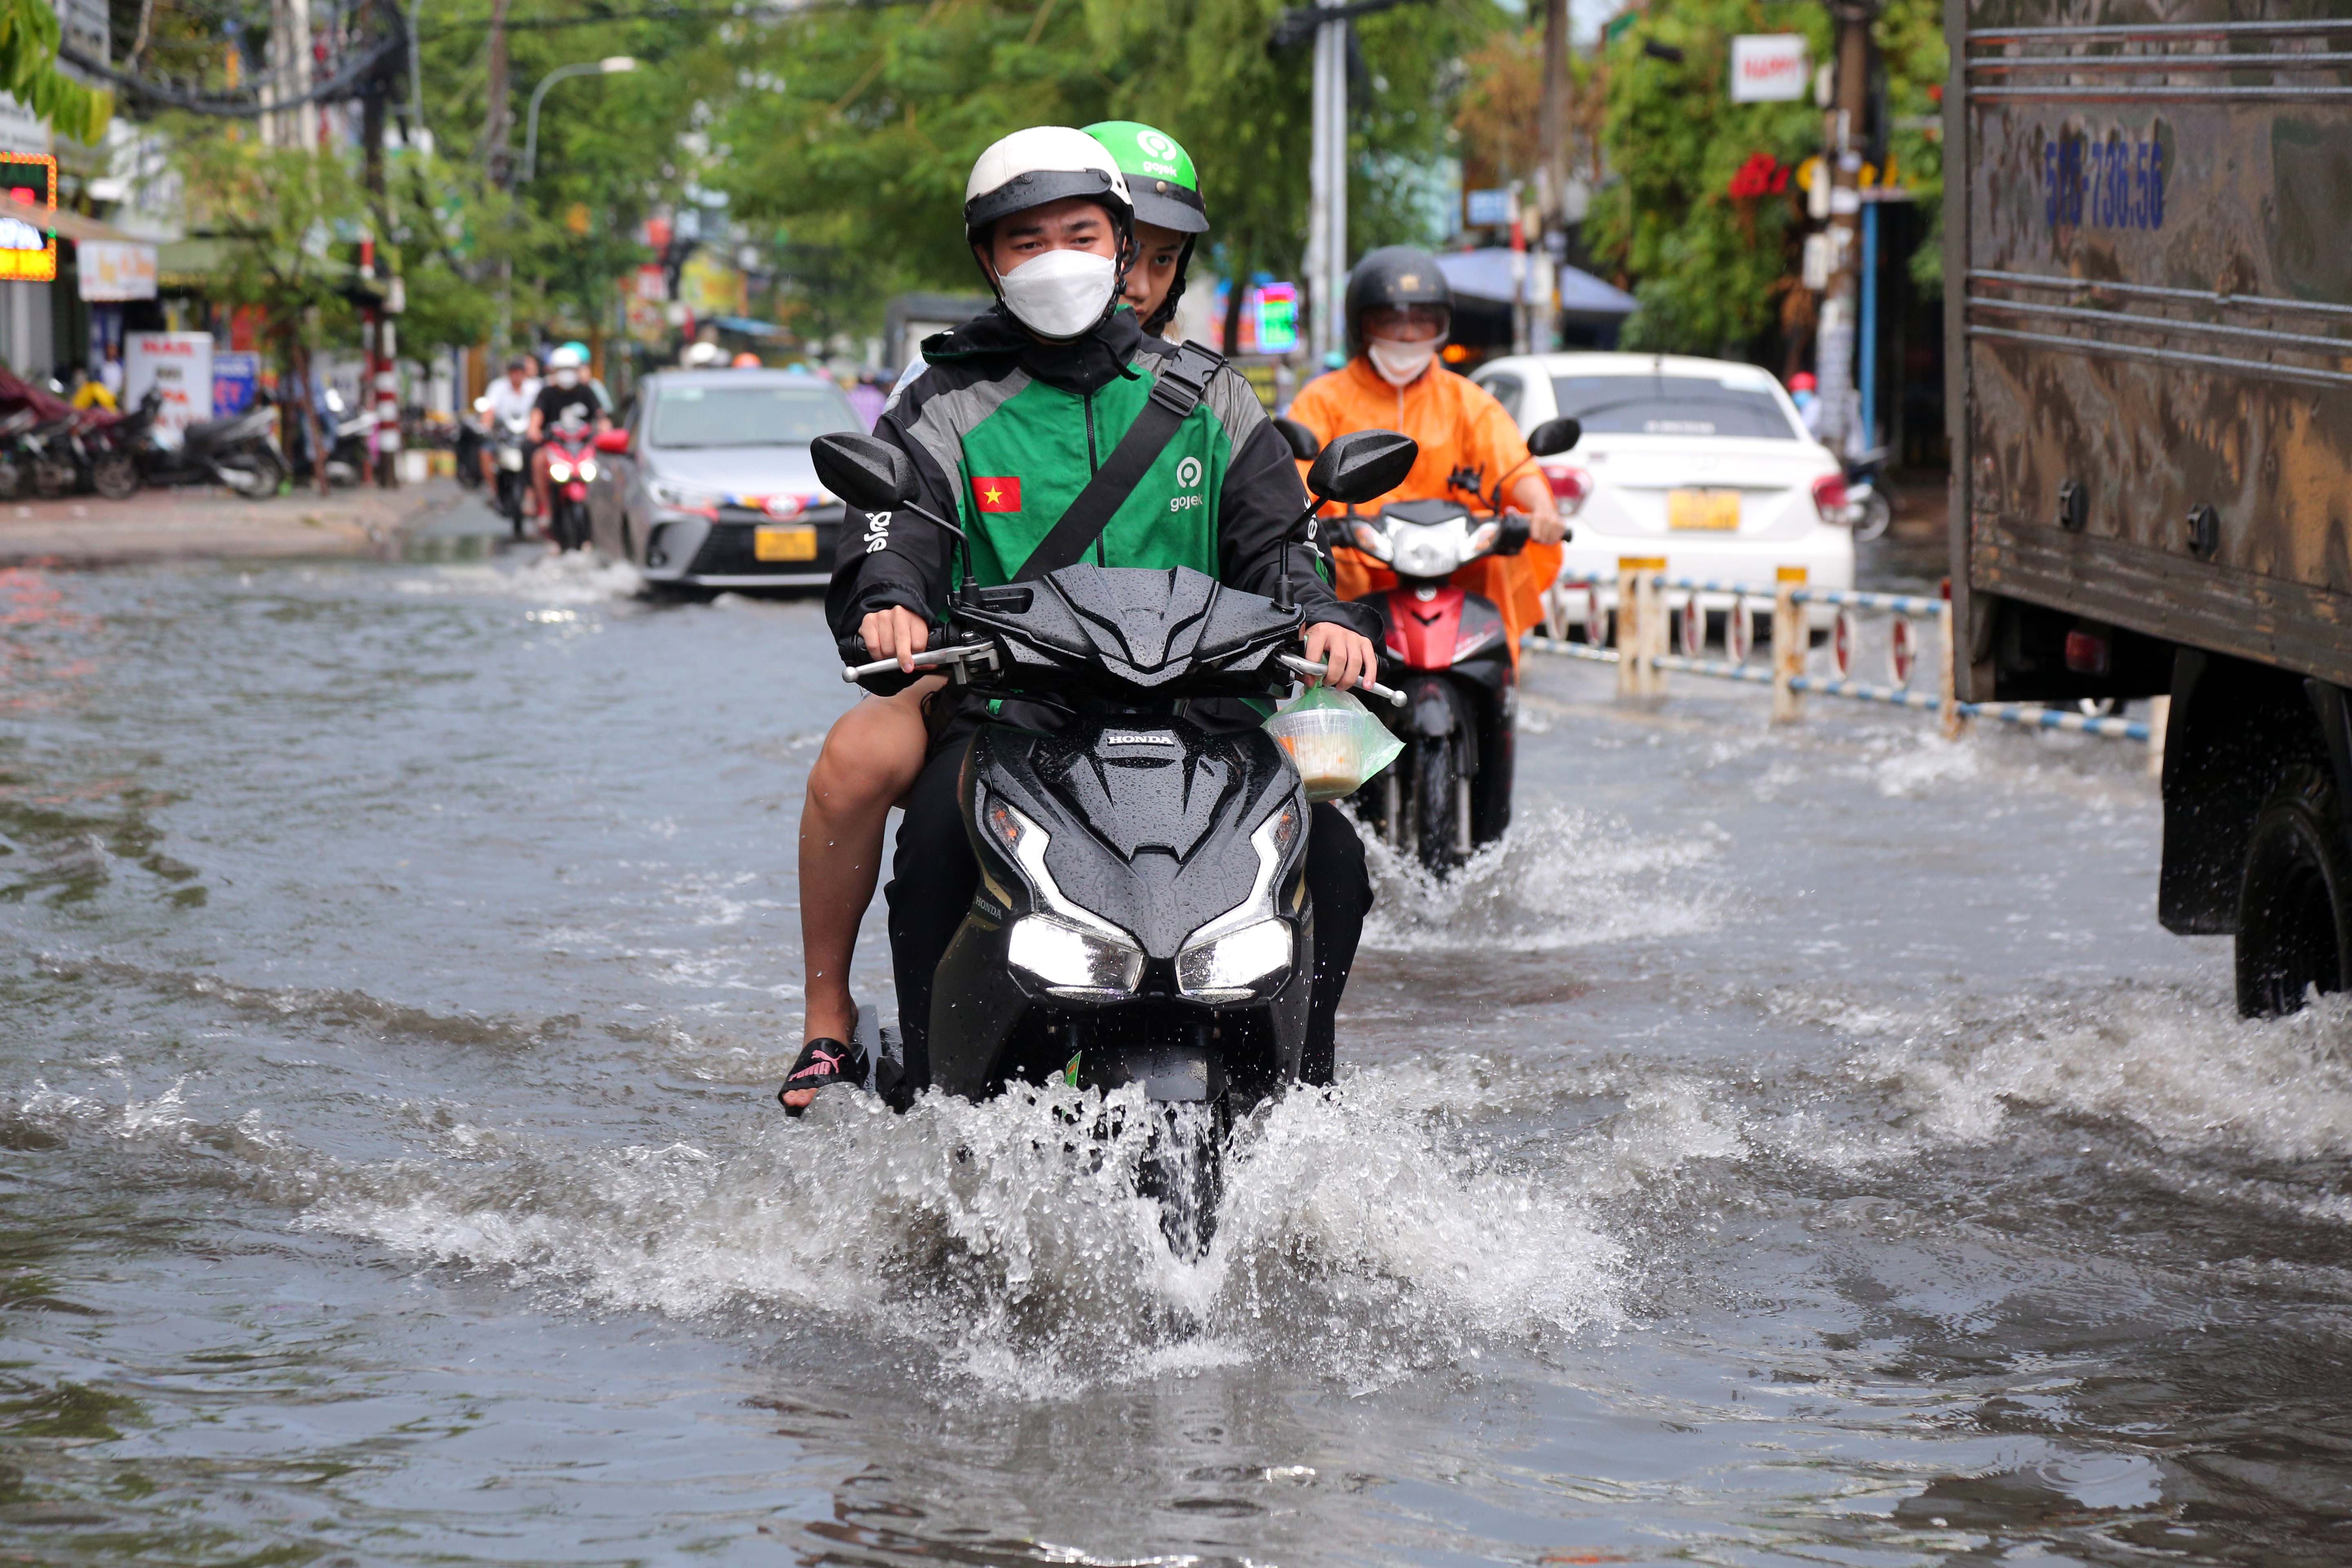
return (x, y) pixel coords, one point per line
(28, 73)
(855, 129)
(1713, 270)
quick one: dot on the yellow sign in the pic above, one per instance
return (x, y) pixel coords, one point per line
(1702, 511)
(29, 223)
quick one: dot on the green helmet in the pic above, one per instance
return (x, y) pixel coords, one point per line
(1166, 191)
(1159, 175)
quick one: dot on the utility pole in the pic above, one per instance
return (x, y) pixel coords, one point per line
(1835, 339)
(1553, 175)
(496, 138)
(1327, 216)
(382, 389)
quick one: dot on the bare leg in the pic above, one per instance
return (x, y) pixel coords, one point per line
(870, 759)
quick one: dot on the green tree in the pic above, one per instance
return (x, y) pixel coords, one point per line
(856, 129)
(1714, 271)
(28, 73)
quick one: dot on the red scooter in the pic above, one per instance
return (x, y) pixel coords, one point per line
(1448, 650)
(570, 451)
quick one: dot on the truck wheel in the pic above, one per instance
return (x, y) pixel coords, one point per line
(2294, 904)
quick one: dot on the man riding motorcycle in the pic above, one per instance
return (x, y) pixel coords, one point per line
(1016, 412)
(873, 752)
(508, 398)
(565, 393)
(1399, 310)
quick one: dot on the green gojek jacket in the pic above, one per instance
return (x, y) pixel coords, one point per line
(1004, 431)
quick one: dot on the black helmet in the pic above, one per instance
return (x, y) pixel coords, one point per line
(1393, 275)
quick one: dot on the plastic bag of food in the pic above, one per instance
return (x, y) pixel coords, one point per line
(1334, 741)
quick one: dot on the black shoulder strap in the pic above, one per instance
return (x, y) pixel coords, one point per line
(1182, 381)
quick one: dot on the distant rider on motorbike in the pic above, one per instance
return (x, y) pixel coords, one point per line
(1010, 420)
(1399, 310)
(565, 393)
(510, 397)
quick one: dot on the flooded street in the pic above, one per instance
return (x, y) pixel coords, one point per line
(1793, 1146)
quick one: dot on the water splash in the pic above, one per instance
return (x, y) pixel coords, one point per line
(1007, 1236)
(1559, 879)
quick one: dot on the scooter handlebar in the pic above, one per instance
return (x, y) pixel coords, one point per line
(1393, 698)
(952, 653)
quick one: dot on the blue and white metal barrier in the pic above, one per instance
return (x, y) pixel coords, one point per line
(1641, 659)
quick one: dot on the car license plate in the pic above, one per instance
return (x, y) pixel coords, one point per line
(1702, 511)
(783, 544)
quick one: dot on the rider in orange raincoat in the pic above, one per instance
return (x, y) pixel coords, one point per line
(1399, 309)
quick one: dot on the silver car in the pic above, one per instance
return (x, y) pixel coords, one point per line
(706, 482)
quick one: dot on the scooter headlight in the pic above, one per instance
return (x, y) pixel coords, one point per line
(510, 459)
(1431, 550)
(1073, 950)
(587, 470)
(1368, 538)
(1232, 957)
(559, 470)
(1074, 963)
(1227, 968)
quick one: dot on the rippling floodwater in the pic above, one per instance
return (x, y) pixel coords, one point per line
(1791, 1147)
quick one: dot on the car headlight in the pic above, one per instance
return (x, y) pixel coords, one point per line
(1075, 951)
(587, 470)
(1232, 956)
(1075, 964)
(669, 492)
(558, 469)
(1226, 968)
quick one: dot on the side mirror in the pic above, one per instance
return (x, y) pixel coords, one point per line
(1362, 465)
(870, 475)
(1554, 437)
(1303, 443)
(614, 443)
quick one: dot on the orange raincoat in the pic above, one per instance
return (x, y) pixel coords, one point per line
(1459, 426)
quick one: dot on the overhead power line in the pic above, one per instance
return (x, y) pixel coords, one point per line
(345, 83)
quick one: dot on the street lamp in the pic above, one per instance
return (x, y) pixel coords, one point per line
(610, 65)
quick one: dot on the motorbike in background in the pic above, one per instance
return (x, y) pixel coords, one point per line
(240, 451)
(1449, 651)
(1869, 509)
(509, 440)
(571, 450)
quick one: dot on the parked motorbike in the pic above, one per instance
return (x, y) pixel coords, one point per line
(1449, 651)
(1142, 919)
(570, 467)
(12, 430)
(1867, 506)
(240, 451)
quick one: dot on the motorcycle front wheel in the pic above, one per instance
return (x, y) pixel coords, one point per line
(115, 476)
(1437, 803)
(256, 477)
(1183, 1171)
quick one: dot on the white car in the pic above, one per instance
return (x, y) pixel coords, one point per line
(1703, 462)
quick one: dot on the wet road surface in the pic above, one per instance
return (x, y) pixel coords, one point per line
(1794, 1146)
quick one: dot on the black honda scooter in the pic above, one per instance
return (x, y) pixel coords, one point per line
(239, 451)
(1143, 916)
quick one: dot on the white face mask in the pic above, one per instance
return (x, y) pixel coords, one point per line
(567, 378)
(1401, 364)
(1061, 293)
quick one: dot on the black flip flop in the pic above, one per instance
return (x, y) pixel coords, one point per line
(822, 1062)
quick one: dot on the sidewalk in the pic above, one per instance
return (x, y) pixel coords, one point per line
(211, 524)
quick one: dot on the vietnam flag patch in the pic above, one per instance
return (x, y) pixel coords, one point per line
(996, 495)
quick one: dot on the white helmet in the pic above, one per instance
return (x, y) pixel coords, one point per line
(564, 359)
(1043, 163)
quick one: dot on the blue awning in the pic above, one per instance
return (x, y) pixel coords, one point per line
(1487, 275)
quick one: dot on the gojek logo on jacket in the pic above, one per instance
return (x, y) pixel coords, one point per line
(1188, 481)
